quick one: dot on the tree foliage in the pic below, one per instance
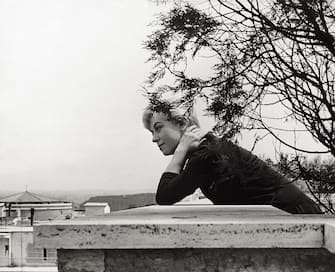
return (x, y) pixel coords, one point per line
(318, 176)
(264, 53)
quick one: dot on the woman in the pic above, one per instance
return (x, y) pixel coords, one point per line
(226, 173)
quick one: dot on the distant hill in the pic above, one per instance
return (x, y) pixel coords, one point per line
(122, 202)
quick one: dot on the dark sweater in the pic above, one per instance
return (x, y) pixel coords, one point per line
(227, 174)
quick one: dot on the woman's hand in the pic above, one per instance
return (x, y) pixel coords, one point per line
(191, 139)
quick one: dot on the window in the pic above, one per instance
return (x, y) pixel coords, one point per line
(45, 254)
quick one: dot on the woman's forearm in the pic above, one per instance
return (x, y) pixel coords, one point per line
(188, 142)
(177, 162)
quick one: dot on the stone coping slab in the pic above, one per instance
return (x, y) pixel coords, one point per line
(190, 226)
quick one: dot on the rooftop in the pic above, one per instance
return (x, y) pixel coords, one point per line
(28, 197)
(94, 204)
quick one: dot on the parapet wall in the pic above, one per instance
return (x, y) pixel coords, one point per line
(192, 238)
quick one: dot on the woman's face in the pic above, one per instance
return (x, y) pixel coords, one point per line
(166, 134)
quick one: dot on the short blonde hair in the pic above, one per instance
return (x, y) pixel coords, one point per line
(172, 114)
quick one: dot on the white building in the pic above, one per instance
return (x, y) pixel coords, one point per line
(96, 208)
(18, 213)
(26, 206)
(17, 250)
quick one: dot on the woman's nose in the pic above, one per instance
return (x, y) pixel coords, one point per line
(154, 138)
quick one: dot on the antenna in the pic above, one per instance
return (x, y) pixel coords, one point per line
(26, 188)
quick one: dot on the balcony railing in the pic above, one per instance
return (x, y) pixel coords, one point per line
(41, 261)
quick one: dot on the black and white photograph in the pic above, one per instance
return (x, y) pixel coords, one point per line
(167, 135)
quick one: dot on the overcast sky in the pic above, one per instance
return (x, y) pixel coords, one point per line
(70, 100)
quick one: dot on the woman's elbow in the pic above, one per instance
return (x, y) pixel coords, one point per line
(161, 200)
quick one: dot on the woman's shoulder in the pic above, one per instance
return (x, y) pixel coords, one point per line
(216, 144)
(207, 148)
(209, 155)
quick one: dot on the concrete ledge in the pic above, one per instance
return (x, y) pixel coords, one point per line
(192, 238)
(190, 227)
(237, 235)
(329, 237)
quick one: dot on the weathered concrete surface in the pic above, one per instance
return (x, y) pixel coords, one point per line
(215, 260)
(81, 261)
(197, 260)
(183, 235)
(192, 238)
(185, 227)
